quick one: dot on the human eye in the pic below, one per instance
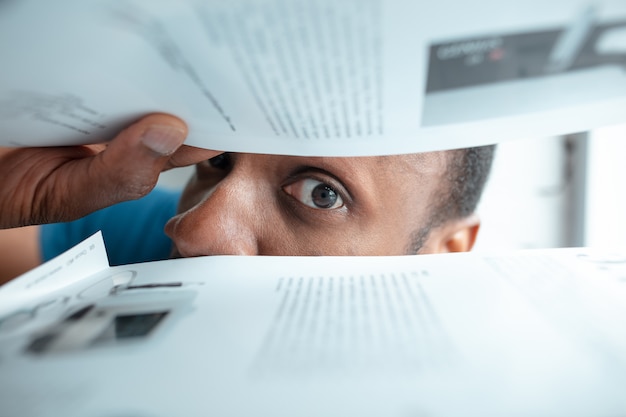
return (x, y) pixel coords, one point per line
(214, 169)
(314, 193)
(222, 161)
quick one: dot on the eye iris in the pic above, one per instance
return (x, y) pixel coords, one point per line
(323, 196)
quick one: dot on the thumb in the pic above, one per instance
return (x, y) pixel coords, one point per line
(44, 185)
(130, 165)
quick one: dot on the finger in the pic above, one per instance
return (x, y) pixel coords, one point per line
(130, 165)
(190, 155)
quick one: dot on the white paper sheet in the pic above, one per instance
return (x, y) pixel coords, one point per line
(68, 268)
(312, 78)
(530, 333)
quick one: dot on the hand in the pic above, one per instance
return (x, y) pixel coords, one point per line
(45, 185)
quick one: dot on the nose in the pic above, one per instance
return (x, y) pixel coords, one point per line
(224, 222)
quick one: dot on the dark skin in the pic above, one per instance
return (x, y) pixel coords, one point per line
(45, 185)
(42, 185)
(242, 204)
(249, 204)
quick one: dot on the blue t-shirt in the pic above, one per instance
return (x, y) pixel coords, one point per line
(132, 231)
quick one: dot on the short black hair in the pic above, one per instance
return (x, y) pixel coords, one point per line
(466, 176)
(463, 182)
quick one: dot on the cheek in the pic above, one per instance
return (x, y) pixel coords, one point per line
(379, 244)
(293, 238)
(388, 234)
(344, 240)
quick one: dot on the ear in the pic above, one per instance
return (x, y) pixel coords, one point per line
(453, 236)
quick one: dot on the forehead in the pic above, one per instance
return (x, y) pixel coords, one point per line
(419, 167)
(428, 164)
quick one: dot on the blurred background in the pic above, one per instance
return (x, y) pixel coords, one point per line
(546, 192)
(557, 192)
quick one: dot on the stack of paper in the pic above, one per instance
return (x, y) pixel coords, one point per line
(531, 333)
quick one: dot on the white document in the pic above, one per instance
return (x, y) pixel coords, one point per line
(531, 333)
(354, 77)
(68, 268)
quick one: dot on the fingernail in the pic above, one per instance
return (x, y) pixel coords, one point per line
(163, 139)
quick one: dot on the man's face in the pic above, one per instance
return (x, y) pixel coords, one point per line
(249, 204)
